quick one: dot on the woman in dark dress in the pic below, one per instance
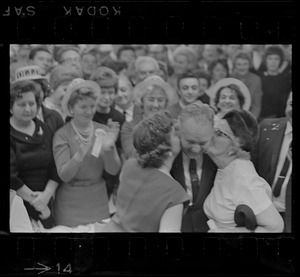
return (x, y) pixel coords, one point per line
(148, 198)
(33, 173)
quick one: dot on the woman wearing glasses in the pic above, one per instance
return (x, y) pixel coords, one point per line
(237, 182)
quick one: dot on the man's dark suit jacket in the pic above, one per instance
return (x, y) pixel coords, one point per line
(194, 218)
(266, 155)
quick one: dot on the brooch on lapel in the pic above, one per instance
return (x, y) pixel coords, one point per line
(275, 126)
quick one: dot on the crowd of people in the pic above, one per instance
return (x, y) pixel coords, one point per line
(150, 138)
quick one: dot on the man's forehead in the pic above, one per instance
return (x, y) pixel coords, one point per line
(196, 122)
(70, 52)
(191, 127)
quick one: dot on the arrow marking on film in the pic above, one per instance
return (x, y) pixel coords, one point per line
(44, 268)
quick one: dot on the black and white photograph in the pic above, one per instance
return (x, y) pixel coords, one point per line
(150, 138)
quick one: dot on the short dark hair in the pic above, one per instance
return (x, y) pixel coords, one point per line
(20, 87)
(36, 49)
(105, 77)
(125, 48)
(234, 88)
(274, 50)
(203, 75)
(186, 75)
(221, 61)
(244, 126)
(152, 140)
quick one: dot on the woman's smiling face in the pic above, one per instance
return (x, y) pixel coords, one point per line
(228, 100)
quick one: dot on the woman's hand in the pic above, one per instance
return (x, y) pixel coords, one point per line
(41, 199)
(83, 150)
(108, 141)
(114, 128)
(111, 135)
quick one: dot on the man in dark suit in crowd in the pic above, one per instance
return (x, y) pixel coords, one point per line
(273, 160)
(192, 168)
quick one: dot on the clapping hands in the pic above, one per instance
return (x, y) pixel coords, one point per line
(111, 136)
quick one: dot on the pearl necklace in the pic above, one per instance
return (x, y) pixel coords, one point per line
(84, 135)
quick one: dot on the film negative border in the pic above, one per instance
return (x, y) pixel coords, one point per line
(147, 254)
(145, 21)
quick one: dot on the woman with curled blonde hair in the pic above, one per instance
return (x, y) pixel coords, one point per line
(148, 198)
(150, 96)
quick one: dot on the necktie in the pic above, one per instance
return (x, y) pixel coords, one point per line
(125, 114)
(194, 178)
(283, 172)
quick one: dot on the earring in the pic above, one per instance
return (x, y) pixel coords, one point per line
(230, 153)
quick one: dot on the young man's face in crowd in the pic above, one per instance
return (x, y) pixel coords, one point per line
(188, 90)
(72, 58)
(124, 95)
(44, 60)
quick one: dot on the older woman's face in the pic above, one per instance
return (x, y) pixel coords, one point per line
(219, 144)
(242, 66)
(181, 64)
(84, 110)
(124, 95)
(24, 109)
(228, 100)
(154, 101)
